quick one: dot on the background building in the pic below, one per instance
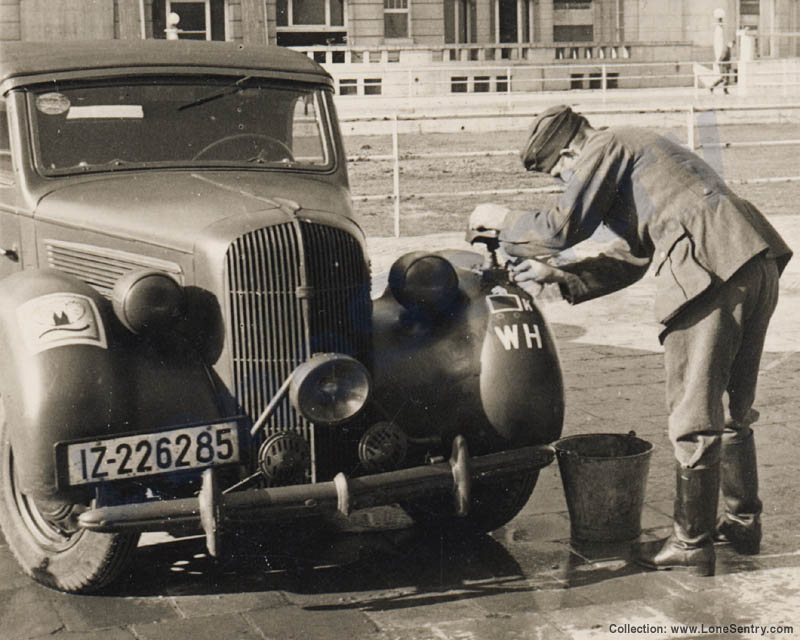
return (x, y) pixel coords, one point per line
(363, 42)
(367, 23)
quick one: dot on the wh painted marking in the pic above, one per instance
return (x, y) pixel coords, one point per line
(509, 335)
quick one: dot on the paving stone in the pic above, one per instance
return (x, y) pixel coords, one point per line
(513, 600)
(232, 626)
(215, 604)
(27, 612)
(528, 527)
(104, 634)
(520, 626)
(12, 575)
(289, 623)
(88, 613)
(604, 621)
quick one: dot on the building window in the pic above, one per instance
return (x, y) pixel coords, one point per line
(749, 7)
(303, 23)
(395, 19)
(749, 11)
(348, 87)
(458, 84)
(460, 18)
(198, 20)
(372, 86)
(572, 4)
(573, 33)
(321, 13)
(481, 84)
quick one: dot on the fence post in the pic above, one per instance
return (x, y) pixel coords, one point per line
(396, 175)
(690, 128)
(696, 80)
(508, 87)
(785, 70)
(603, 80)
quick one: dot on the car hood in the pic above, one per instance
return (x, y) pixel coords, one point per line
(172, 208)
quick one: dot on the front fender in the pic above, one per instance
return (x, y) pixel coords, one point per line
(71, 371)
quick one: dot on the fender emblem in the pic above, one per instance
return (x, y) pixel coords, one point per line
(59, 320)
(500, 300)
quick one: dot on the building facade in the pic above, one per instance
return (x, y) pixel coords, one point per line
(403, 23)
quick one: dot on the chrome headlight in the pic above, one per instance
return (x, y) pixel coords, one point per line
(330, 388)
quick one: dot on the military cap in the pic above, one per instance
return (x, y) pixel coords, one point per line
(551, 131)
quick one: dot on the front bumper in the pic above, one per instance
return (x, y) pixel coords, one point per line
(213, 510)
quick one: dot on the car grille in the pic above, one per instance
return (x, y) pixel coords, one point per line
(295, 289)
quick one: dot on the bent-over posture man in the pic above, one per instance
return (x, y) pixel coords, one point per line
(717, 261)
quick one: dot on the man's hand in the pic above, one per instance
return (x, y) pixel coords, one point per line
(535, 271)
(488, 216)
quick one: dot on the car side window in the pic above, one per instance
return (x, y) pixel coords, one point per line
(6, 170)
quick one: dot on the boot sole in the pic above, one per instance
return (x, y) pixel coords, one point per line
(701, 571)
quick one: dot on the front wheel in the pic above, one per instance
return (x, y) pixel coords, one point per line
(493, 504)
(75, 562)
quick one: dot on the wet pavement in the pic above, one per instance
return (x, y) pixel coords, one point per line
(377, 576)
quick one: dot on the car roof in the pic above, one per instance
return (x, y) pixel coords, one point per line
(32, 62)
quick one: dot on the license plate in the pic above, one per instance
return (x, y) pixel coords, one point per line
(150, 454)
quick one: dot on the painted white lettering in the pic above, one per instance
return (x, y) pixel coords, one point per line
(526, 304)
(531, 335)
(509, 336)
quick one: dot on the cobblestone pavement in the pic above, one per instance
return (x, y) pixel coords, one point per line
(382, 579)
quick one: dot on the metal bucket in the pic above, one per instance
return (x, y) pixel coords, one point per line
(604, 477)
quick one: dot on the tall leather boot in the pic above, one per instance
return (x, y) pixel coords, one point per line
(740, 524)
(691, 544)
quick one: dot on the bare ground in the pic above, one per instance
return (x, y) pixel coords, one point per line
(452, 179)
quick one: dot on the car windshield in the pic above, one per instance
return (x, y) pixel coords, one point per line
(224, 122)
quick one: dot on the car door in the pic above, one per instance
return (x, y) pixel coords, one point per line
(9, 218)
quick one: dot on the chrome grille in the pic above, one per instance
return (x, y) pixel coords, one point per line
(295, 289)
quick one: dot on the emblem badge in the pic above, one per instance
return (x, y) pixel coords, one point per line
(59, 320)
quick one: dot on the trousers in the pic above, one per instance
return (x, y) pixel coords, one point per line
(712, 353)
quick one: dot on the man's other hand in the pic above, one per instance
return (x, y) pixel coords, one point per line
(488, 216)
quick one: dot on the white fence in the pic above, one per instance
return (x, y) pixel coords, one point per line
(432, 79)
(691, 116)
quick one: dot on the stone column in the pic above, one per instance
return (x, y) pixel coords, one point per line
(546, 21)
(254, 28)
(130, 19)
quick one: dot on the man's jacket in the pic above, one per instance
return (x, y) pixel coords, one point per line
(669, 208)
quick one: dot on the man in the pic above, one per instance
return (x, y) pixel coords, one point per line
(725, 68)
(717, 261)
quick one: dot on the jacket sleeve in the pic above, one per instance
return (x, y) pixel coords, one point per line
(587, 196)
(602, 274)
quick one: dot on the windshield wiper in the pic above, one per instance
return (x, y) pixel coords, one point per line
(236, 87)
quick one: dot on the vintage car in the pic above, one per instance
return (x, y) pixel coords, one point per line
(189, 341)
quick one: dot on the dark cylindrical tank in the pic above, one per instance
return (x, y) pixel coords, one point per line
(480, 360)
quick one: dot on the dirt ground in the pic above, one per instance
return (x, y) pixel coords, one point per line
(423, 214)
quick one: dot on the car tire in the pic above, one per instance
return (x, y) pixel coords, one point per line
(79, 562)
(493, 504)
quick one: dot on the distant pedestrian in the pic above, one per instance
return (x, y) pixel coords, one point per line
(725, 68)
(717, 261)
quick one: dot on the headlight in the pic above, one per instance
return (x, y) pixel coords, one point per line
(424, 281)
(147, 301)
(329, 388)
